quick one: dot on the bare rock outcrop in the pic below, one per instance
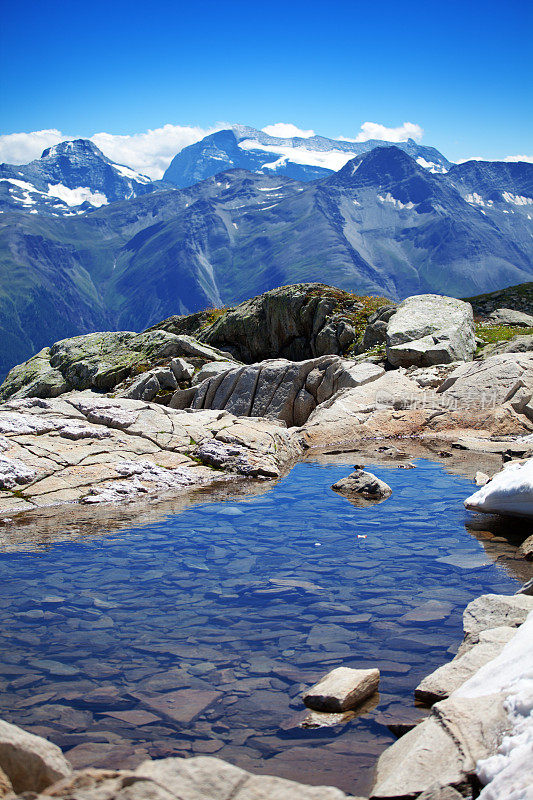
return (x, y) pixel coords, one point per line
(84, 447)
(277, 388)
(430, 329)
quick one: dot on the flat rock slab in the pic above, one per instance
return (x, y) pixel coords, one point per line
(182, 705)
(342, 689)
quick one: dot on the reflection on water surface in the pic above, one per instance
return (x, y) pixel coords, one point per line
(195, 633)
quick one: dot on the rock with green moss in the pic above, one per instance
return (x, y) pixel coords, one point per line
(296, 322)
(99, 361)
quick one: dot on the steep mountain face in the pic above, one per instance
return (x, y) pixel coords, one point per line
(71, 177)
(301, 159)
(382, 225)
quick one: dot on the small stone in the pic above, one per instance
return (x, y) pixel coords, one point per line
(342, 689)
(363, 488)
(481, 479)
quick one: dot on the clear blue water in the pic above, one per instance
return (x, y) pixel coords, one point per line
(237, 606)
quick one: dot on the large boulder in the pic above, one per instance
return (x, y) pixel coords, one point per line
(430, 329)
(296, 322)
(486, 384)
(277, 388)
(509, 316)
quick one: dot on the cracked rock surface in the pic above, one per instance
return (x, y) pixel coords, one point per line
(87, 448)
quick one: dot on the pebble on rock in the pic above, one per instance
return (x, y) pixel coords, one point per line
(342, 689)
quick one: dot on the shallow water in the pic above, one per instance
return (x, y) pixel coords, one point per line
(237, 606)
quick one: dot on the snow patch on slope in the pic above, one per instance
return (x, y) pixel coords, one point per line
(517, 199)
(327, 159)
(75, 197)
(396, 203)
(126, 172)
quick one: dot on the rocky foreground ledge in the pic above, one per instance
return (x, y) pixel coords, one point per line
(479, 734)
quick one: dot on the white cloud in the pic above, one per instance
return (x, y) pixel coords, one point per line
(149, 153)
(286, 130)
(19, 148)
(373, 130)
(519, 158)
(529, 159)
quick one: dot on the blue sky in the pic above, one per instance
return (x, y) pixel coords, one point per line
(459, 70)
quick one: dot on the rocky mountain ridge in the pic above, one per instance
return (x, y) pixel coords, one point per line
(383, 225)
(303, 159)
(69, 178)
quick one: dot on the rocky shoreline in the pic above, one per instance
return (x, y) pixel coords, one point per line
(106, 425)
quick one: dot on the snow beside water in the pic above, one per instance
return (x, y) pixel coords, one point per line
(509, 492)
(509, 774)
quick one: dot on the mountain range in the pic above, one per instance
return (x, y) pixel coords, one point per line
(382, 224)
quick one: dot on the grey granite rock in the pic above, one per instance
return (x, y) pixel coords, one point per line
(430, 329)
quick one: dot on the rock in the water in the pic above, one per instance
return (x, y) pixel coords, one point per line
(430, 329)
(510, 492)
(526, 549)
(342, 689)
(481, 478)
(509, 316)
(363, 487)
(30, 762)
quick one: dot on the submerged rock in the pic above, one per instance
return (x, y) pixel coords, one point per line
(510, 492)
(342, 689)
(363, 488)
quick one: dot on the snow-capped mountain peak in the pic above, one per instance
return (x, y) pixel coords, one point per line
(69, 177)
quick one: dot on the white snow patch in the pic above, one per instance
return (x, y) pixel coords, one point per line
(475, 199)
(431, 166)
(356, 203)
(75, 197)
(268, 188)
(509, 492)
(127, 172)
(517, 199)
(235, 226)
(509, 773)
(396, 203)
(327, 159)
